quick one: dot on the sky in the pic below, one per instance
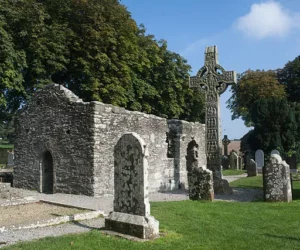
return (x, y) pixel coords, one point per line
(249, 34)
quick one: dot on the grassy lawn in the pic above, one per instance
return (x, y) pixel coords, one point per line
(248, 182)
(203, 225)
(257, 182)
(233, 172)
(200, 225)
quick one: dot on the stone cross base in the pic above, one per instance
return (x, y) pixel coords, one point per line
(144, 227)
(222, 187)
(201, 184)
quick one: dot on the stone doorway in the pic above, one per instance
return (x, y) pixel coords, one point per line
(47, 173)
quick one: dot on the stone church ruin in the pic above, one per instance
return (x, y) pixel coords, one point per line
(66, 145)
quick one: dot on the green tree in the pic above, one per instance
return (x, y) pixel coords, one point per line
(289, 76)
(275, 126)
(95, 49)
(246, 142)
(252, 86)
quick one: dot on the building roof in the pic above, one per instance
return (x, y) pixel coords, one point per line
(233, 145)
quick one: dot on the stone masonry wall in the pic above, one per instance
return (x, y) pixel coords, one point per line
(59, 122)
(112, 122)
(81, 138)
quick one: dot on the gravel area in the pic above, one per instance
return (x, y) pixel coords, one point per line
(35, 212)
(8, 238)
(105, 204)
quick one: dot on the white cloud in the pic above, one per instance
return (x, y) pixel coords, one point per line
(267, 19)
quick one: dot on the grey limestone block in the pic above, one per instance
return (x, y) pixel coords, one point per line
(144, 227)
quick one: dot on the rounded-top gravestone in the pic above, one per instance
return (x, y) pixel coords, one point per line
(131, 213)
(259, 158)
(275, 152)
(131, 176)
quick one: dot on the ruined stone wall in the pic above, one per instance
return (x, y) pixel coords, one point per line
(112, 122)
(59, 122)
(81, 138)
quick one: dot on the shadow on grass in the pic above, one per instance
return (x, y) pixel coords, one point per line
(282, 237)
(296, 194)
(81, 224)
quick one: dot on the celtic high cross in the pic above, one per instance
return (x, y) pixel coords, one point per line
(213, 80)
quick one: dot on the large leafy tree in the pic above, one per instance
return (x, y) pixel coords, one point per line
(252, 86)
(96, 50)
(275, 126)
(289, 76)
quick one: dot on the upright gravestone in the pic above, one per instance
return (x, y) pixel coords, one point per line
(277, 181)
(240, 162)
(200, 180)
(275, 152)
(131, 213)
(259, 159)
(225, 162)
(10, 159)
(213, 80)
(252, 168)
(233, 160)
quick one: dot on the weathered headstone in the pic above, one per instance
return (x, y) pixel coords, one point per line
(277, 181)
(225, 142)
(10, 159)
(200, 180)
(225, 162)
(213, 80)
(240, 162)
(233, 160)
(259, 159)
(131, 213)
(275, 152)
(252, 168)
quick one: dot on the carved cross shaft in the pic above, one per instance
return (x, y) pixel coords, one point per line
(213, 80)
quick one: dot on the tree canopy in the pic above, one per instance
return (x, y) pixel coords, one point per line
(275, 126)
(252, 86)
(95, 49)
(289, 76)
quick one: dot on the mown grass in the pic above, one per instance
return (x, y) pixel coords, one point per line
(228, 172)
(248, 182)
(200, 225)
(257, 183)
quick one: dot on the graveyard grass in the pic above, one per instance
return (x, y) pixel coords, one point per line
(203, 225)
(228, 172)
(248, 182)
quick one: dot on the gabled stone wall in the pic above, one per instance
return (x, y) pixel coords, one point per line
(59, 122)
(81, 138)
